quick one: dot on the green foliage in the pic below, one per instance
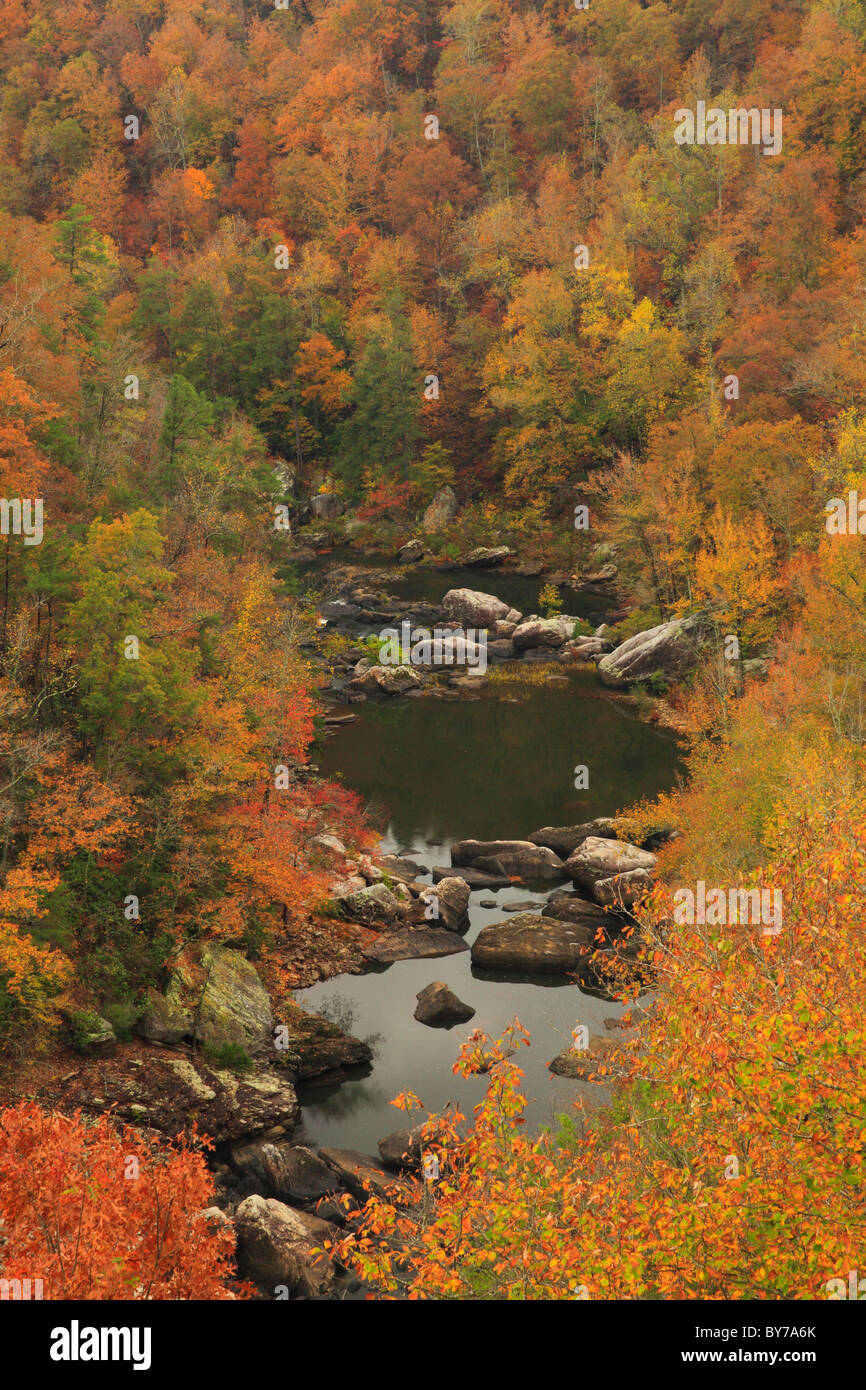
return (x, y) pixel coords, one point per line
(123, 588)
(229, 1056)
(123, 1017)
(84, 1024)
(654, 684)
(639, 620)
(550, 601)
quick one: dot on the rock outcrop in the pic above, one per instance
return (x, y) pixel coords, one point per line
(214, 996)
(669, 650)
(596, 859)
(441, 511)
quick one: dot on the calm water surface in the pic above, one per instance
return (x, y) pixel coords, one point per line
(494, 767)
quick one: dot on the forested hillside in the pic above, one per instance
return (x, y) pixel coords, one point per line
(372, 250)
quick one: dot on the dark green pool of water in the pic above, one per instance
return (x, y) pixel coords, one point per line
(424, 584)
(499, 766)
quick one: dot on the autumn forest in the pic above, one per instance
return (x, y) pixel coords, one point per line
(542, 323)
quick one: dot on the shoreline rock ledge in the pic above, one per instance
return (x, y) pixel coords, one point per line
(518, 858)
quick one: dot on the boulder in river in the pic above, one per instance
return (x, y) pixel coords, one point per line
(438, 1005)
(473, 608)
(275, 1248)
(564, 839)
(403, 1148)
(668, 650)
(542, 632)
(593, 1063)
(447, 904)
(533, 943)
(596, 859)
(570, 907)
(316, 1047)
(386, 680)
(519, 858)
(418, 944)
(485, 557)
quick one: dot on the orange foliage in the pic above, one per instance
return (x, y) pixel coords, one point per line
(97, 1212)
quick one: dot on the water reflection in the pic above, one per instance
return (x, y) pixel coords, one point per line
(486, 769)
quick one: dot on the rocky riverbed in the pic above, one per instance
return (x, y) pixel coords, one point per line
(437, 934)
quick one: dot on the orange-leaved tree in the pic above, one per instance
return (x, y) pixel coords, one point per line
(96, 1212)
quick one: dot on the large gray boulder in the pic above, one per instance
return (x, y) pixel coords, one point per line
(325, 506)
(564, 839)
(510, 857)
(533, 943)
(215, 996)
(484, 556)
(386, 680)
(275, 1248)
(473, 608)
(669, 650)
(290, 1172)
(597, 859)
(164, 1020)
(441, 512)
(542, 632)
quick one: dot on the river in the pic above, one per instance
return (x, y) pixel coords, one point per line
(494, 766)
